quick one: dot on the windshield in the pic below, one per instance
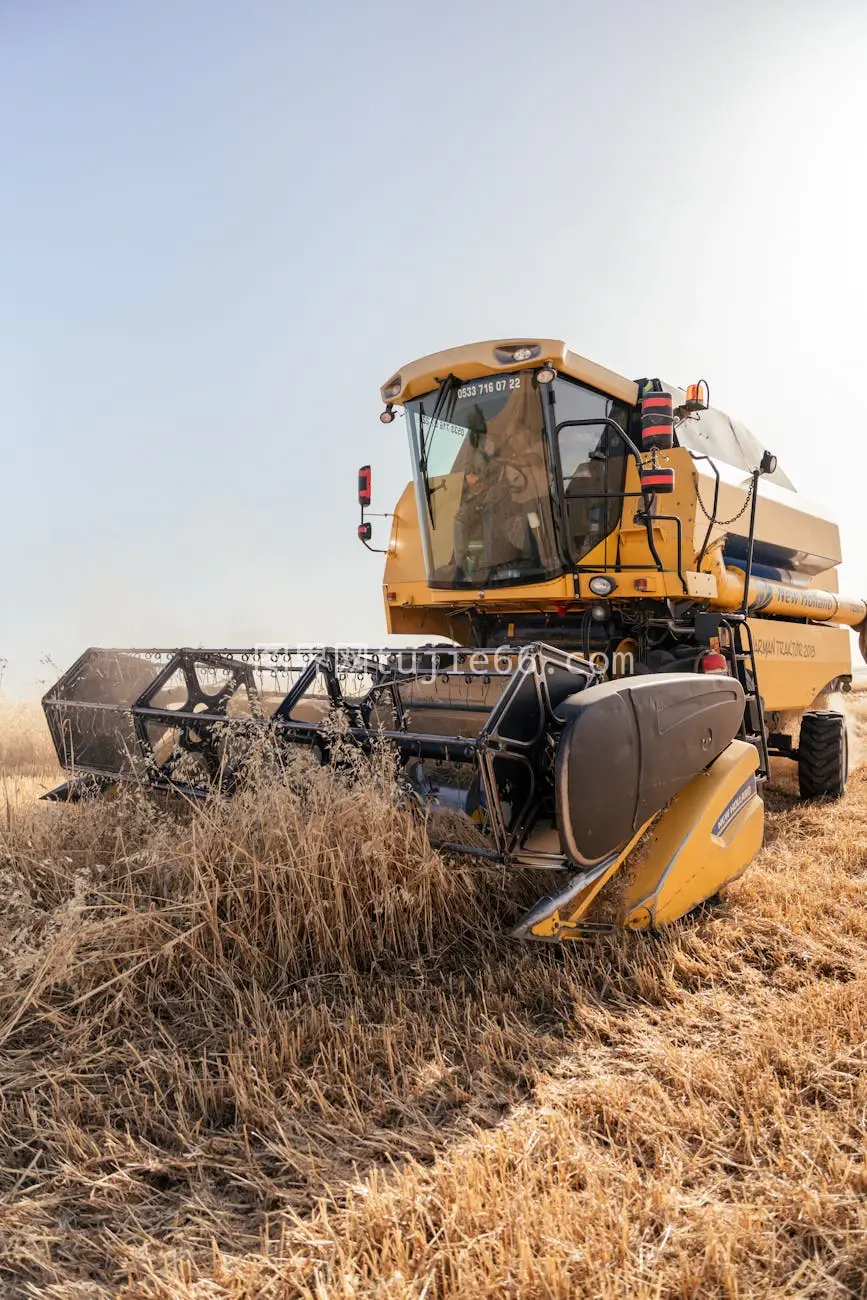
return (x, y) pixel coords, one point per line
(484, 486)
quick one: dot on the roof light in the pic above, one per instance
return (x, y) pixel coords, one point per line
(508, 352)
(392, 388)
(547, 374)
(697, 396)
(387, 415)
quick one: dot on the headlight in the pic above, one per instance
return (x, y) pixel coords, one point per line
(517, 352)
(601, 586)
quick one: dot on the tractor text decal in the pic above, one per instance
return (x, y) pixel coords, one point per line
(743, 796)
(802, 598)
(776, 648)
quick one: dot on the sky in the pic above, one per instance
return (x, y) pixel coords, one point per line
(223, 225)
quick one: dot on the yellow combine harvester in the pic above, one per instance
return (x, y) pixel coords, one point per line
(640, 611)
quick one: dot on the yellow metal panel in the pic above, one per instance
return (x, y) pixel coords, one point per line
(474, 360)
(564, 922)
(706, 838)
(642, 583)
(419, 620)
(405, 559)
(558, 591)
(783, 517)
(796, 661)
(827, 581)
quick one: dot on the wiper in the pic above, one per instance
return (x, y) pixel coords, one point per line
(446, 387)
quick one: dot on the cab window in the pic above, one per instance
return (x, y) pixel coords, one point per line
(593, 461)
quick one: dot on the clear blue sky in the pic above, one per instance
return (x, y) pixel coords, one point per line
(224, 224)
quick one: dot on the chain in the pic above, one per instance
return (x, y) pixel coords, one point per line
(723, 523)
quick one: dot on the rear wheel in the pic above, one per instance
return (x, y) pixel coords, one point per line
(823, 756)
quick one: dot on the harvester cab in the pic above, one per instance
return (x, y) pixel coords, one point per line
(628, 613)
(553, 500)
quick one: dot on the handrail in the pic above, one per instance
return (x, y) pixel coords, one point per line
(636, 455)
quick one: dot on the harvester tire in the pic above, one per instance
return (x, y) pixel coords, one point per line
(823, 755)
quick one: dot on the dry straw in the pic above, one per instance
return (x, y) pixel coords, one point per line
(278, 1047)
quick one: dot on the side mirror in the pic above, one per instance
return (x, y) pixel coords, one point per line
(365, 528)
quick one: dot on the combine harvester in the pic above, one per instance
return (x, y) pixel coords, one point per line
(640, 612)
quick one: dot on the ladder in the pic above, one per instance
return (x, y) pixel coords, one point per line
(737, 646)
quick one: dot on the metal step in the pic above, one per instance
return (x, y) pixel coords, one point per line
(741, 655)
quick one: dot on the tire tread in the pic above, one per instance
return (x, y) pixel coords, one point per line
(822, 755)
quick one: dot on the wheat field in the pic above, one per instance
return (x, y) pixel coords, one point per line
(279, 1047)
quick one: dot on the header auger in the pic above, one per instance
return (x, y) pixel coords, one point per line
(640, 614)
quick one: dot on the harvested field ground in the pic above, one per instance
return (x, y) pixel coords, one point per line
(280, 1048)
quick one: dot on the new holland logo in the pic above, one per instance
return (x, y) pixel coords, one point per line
(731, 810)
